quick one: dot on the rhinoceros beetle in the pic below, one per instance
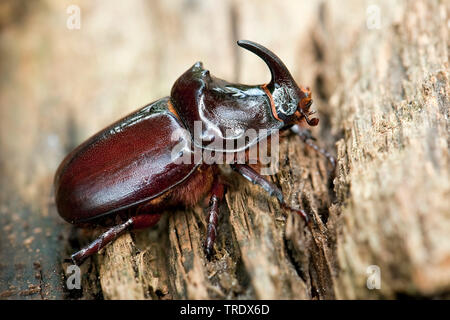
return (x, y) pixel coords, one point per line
(124, 176)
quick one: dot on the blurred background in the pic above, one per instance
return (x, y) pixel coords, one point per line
(69, 68)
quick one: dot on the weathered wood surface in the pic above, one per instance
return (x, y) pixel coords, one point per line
(393, 183)
(382, 95)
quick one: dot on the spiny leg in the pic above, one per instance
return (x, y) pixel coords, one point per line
(307, 138)
(135, 222)
(217, 193)
(254, 177)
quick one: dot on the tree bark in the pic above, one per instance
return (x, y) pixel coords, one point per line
(393, 184)
(379, 83)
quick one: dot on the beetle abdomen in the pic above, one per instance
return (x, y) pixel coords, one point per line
(124, 165)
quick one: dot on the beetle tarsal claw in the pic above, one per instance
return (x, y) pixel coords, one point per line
(78, 257)
(209, 252)
(300, 212)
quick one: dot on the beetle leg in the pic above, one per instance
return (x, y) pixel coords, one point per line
(135, 222)
(254, 177)
(217, 192)
(306, 137)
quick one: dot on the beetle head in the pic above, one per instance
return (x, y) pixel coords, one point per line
(292, 104)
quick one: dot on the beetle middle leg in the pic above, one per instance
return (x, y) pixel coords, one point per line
(217, 193)
(254, 177)
(136, 222)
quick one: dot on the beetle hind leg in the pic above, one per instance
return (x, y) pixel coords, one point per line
(135, 222)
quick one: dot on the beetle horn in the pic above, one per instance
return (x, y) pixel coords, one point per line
(280, 74)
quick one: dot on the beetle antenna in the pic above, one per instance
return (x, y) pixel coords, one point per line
(312, 122)
(303, 107)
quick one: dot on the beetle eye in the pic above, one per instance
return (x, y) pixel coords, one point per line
(288, 108)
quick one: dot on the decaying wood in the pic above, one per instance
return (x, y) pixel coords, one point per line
(393, 183)
(382, 96)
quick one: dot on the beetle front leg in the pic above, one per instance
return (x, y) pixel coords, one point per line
(254, 177)
(217, 192)
(307, 138)
(135, 222)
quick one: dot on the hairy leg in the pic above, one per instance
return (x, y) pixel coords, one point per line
(250, 174)
(135, 222)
